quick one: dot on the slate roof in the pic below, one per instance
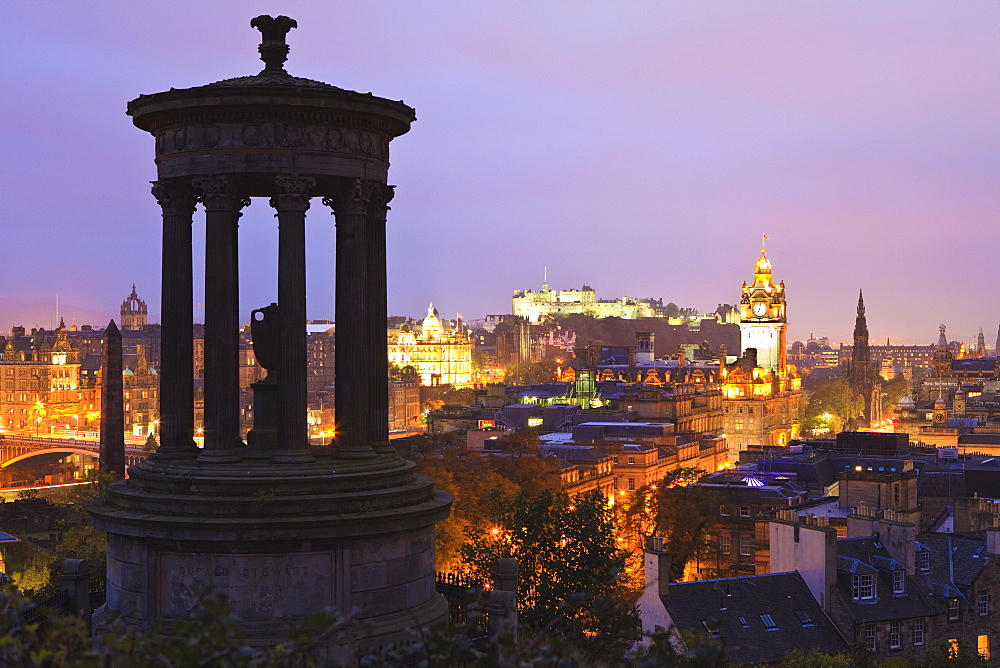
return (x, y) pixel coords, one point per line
(574, 453)
(941, 483)
(974, 364)
(860, 556)
(958, 559)
(735, 607)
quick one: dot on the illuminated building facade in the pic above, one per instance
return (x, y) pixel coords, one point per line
(760, 391)
(41, 378)
(141, 385)
(439, 352)
(533, 305)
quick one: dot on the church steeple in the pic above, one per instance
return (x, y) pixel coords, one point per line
(942, 354)
(861, 353)
(981, 344)
(862, 373)
(133, 311)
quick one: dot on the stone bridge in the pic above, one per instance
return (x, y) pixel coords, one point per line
(15, 448)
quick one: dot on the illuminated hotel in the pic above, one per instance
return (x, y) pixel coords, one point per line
(760, 390)
(439, 353)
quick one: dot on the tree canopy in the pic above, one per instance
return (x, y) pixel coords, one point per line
(569, 563)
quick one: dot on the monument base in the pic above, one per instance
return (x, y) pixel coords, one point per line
(281, 541)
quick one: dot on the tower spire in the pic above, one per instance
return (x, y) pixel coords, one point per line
(861, 303)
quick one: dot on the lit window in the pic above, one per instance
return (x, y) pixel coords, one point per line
(953, 609)
(983, 646)
(898, 582)
(895, 635)
(863, 587)
(769, 624)
(870, 637)
(918, 632)
(953, 648)
(984, 602)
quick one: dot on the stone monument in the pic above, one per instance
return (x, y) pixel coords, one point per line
(285, 528)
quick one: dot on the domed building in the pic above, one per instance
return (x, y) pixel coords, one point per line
(439, 351)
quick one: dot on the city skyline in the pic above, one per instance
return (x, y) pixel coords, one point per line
(640, 150)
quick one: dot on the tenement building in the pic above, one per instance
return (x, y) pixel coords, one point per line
(760, 390)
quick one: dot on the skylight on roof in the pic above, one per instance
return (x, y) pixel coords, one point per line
(804, 618)
(768, 622)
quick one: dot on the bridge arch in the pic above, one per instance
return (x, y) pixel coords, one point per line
(48, 451)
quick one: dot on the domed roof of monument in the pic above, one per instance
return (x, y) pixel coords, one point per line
(273, 78)
(906, 402)
(273, 51)
(269, 80)
(940, 403)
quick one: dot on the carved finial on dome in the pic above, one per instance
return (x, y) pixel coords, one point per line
(273, 50)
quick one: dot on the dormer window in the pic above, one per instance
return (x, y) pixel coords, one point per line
(924, 561)
(899, 582)
(863, 587)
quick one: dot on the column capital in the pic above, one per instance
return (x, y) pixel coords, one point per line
(174, 199)
(351, 196)
(215, 194)
(293, 192)
(381, 194)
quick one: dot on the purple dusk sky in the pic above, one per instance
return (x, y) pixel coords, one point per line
(639, 147)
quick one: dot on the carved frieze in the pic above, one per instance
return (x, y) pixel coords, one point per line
(263, 136)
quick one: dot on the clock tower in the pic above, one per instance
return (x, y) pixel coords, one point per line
(762, 317)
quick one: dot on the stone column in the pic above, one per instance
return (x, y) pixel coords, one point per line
(381, 195)
(222, 342)
(291, 204)
(177, 203)
(349, 200)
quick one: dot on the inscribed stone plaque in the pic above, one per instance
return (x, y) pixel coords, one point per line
(259, 586)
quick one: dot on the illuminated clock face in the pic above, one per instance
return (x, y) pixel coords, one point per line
(759, 309)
